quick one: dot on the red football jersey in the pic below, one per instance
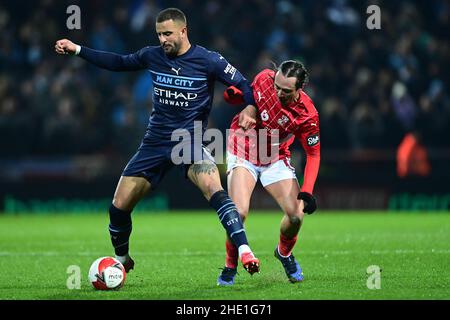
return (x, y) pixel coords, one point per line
(277, 128)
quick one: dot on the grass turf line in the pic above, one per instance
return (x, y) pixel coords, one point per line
(178, 256)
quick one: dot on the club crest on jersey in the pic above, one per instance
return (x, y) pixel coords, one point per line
(264, 115)
(312, 140)
(283, 120)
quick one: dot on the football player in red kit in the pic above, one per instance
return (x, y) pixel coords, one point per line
(283, 113)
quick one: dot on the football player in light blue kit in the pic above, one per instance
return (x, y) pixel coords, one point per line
(183, 76)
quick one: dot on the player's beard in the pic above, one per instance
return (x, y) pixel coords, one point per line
(172, 49)
(287, 100)
(284, 101)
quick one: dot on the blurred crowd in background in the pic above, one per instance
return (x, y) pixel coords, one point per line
(371, 87)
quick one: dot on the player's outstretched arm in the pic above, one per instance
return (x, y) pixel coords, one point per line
(230, 76)
(248, 116)
(106, 60)
(308, 135)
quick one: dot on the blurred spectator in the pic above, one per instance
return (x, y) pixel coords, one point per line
(370, 86)
(17, 128)
(62, 129)
(365, 127)
(334, 125)
(412, 158)
(404, 106)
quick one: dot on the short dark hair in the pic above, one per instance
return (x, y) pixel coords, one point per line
(294, 68)
(171, 13)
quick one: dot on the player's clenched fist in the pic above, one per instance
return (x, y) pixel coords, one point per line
(65, 46)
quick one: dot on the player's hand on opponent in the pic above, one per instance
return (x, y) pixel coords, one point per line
(247, 117)
(65, 46)
(309, 201)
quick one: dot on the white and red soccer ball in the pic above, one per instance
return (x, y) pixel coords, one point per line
(107, 273)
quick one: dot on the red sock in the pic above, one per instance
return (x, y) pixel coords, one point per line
(286, 245)
(232, 255)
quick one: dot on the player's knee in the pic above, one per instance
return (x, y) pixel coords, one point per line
(295, 220)
(119, 203)
(295, 216)
(123, 203)
(129, 191)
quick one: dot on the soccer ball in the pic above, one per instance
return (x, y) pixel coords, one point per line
(107, 273)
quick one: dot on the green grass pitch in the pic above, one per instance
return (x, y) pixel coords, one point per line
(178, 256)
